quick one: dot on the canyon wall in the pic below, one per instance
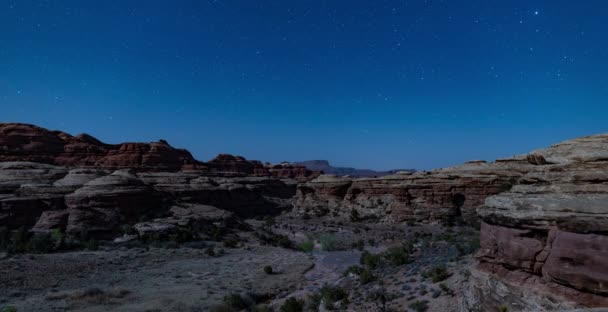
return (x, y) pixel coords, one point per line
(549, 233)
(442, 195)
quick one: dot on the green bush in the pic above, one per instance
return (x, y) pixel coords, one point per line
(209, 251)
(468, 247)
(307, 246)
(366, 276)
(261, 308)
(268, 269)
(354, 216)
(9, 309)
(20, 240)
(503, 308)
(235, 301)
(328, 242)
(437, 274)
(446, 289)
(56, 235)
(419, 306)
(292, 305)
(40, 243)
(398, 255)
(332, 294)
(369, 260)
(230, 242)
(221, 307)
(355, 269)
(359, 245)
(91, 245)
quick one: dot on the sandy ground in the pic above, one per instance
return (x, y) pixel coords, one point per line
(186, 279)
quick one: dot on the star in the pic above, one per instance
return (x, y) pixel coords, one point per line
(536, 12)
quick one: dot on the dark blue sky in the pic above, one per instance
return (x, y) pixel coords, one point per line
(377, 84)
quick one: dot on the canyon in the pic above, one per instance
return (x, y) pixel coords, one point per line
(541, 217)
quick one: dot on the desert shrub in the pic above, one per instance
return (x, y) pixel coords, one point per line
(398, 255)
(354, 269)
(9, 309)
(503, 308)
(261, 308)
(332, 294)
(91, 245)
(230, 242)
(268, 269)
(56, 235)
(354, 215)
(360, 244)
(305, 216)
(328, 242)
(269, 221)
(235, 301)
(437, 274)
(268, 237)
(216, 232)
(292, 305)
(366, 276)
(445, 237)
(371, 241)
(209, 251)
(222, 307)
(20, 240)
(369, 260)
(307, 246)
(468, 247)
(419, 306)
(40, 243)
(446, 289)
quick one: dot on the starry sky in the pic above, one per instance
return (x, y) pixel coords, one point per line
(370, 84)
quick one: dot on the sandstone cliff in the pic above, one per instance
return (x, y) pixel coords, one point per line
(442, 195)
(549, 232)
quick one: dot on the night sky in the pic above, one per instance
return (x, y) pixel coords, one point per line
(372, 84)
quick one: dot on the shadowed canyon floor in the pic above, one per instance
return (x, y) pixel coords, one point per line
(187, 278)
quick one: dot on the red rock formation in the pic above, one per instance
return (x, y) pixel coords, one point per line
(226, 164)
(21, 142)
(291, 171)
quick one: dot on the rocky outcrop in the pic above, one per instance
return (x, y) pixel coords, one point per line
(549, 232)
(441, 195)
(28, 143)
(98, 203)
(102, 205)
(22, 142)
(292, 171)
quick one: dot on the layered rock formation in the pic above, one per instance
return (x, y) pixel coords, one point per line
(28, 143)
(441, 195)
(52, 180)
(549, 233)
(21, 142)
(98, 203)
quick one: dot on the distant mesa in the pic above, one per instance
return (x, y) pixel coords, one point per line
(323, 165)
